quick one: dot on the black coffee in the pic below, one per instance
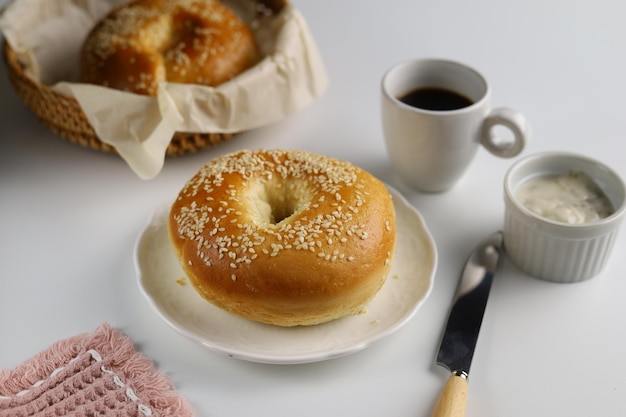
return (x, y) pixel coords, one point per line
(434, 98)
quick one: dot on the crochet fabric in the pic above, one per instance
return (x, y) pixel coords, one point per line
(97, 374)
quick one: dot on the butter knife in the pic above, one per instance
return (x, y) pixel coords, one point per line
(464, 320)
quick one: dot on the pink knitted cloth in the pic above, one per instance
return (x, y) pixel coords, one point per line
(98, 374)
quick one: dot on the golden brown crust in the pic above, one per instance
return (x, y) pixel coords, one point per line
(146, 42)
(284, 237)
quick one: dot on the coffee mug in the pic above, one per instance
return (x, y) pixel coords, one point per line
(435, 114)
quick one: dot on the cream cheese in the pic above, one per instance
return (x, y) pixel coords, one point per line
(571, 198)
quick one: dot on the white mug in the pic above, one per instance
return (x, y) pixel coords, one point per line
(431, 146)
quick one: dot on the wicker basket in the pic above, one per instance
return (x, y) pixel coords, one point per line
(64, 116)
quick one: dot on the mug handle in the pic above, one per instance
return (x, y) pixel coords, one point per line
(512, 120)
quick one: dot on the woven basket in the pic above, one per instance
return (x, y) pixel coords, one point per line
(64, 116)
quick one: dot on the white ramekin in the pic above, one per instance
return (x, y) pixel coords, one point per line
(552, 250)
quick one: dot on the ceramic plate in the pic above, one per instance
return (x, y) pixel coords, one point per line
(170, 293)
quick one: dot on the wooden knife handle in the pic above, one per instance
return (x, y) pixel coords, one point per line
(453, 398)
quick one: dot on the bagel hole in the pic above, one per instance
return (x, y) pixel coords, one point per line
(279, 200)
(281, 210)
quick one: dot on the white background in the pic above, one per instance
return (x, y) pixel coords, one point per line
(69, 218)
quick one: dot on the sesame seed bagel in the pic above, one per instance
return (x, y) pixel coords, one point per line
(146, 42)
(284, 237)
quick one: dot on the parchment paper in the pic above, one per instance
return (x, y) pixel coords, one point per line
(47, 36)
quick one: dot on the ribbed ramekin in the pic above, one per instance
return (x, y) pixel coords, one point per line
(556, 251)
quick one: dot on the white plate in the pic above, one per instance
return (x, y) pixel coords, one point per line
(408, 285)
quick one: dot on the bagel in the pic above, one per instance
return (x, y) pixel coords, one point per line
(284, 237)
(146, 42)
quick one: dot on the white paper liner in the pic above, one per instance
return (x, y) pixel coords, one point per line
(47, 36)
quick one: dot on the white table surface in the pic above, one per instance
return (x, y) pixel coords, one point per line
(70, 216)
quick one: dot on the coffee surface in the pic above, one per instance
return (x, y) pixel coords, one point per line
(433, 98)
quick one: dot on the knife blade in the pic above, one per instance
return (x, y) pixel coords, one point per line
(464, 320)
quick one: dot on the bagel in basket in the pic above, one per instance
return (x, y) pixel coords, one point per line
(146, 42)
(284, 237)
